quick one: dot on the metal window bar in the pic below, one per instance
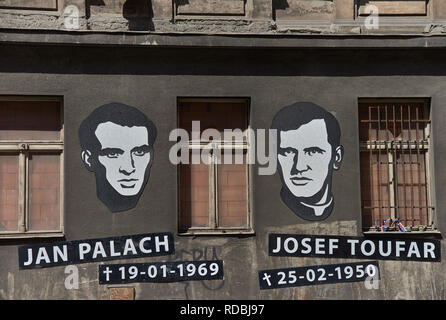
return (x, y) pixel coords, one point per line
(402, 165)
(420, 211)
(412, 213)
(426, 166)
(380, 201)
(400, 184)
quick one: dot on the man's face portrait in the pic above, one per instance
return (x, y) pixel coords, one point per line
(117, 145)
(305, 158)
(125, 156)
(308, 150)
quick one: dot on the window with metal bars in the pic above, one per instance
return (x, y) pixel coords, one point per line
(394, 164)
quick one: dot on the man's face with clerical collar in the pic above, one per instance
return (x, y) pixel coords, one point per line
(125, 155)
(304, 156)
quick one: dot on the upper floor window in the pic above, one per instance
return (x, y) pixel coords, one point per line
(211, 8)
(395, 149)
(29, 4)
(31, 166)
(214, 192)
(394, 8)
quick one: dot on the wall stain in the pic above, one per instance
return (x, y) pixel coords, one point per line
(199, 254)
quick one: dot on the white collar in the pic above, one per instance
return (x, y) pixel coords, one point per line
(319, 208)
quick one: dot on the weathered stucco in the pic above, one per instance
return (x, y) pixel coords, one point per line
(234, 16)
(275, 52)
(272, 72)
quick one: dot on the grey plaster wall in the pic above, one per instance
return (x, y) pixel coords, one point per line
(152, 79)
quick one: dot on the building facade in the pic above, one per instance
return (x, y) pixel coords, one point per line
(340, 106)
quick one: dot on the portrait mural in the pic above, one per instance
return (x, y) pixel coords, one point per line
(117, 145)
(308, 150)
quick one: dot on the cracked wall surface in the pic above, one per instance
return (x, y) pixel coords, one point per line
(215, 16)
(152, 78)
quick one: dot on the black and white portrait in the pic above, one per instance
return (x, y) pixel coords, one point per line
(308, 150)
(117, 145)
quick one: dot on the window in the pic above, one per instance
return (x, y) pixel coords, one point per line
(394, 158)
(210, 8)
(31, 167)
(297, 12)
(214, 194)
(393, 8)
(27, 4)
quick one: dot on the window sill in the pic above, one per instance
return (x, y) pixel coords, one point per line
(31, 235)
(216, 232)
(200, 18)
(433, 233)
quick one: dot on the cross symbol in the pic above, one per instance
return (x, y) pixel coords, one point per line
(107, 272)
(266, 278)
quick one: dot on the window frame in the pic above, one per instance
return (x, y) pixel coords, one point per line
(53, 6)
(213, 174)
(395, 19)
(178, 16)
(23, 148)
(429, 176)
(361, 4)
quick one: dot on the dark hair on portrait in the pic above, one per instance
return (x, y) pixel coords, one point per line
(297, 114)
(118, 113)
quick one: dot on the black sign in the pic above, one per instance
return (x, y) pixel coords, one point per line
(322, 274)
(161, 272)
(81, 251)
(354, 247)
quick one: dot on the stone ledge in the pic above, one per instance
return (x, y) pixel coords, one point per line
(228, 40)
